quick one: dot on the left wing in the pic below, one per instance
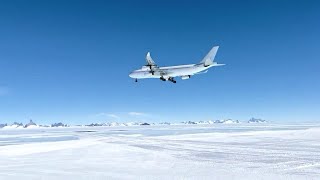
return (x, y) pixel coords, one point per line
(154, 69)
(149, 60)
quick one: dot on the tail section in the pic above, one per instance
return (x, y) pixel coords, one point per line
(209, 58)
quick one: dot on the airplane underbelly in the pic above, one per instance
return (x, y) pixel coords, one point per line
(143, 75)
(172, 72)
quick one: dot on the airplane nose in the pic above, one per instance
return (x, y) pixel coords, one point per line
(131, 75)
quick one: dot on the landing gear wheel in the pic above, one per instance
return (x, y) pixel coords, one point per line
(162, 79)
(136, 80)
(172, 80)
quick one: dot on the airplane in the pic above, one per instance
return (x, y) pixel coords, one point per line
(168, 73)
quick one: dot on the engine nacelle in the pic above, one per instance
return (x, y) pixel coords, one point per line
(185, 77)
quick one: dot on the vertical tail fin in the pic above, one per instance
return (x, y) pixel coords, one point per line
(209, 58)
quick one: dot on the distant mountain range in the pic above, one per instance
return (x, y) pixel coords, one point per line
(31, 124)
(254, 120)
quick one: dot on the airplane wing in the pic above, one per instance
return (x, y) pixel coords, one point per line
(149, 60)
(154, 69)
(152, 65)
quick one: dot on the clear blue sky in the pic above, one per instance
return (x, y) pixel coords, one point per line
(69, 60)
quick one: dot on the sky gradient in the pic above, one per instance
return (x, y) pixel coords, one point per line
(69, 60)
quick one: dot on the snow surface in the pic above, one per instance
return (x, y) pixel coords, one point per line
(13, 126)
(217, 151)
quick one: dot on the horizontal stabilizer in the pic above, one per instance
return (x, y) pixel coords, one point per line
(216, 64)
(202, 72)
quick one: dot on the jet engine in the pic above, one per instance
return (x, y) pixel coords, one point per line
(185, 77)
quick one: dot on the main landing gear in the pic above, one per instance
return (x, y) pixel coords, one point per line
(169, 79)
(136, 80)
(172, 80)
(162, 79)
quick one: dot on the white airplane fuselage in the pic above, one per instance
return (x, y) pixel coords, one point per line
(151, 70)
(171, 71)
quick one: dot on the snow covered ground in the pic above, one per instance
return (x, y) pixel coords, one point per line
(235, 151)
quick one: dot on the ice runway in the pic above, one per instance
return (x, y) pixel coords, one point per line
(235, 151)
